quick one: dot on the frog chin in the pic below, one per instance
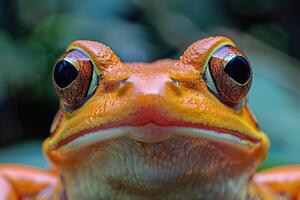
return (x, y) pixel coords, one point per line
(153, 159)
(177, 165)
(153, 133)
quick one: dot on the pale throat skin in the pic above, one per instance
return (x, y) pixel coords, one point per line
(155, 131)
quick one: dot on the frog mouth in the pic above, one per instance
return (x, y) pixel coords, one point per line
(154, 133)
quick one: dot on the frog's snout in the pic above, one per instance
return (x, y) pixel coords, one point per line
(150, 85)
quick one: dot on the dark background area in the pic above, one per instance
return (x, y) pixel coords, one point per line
(34, 33)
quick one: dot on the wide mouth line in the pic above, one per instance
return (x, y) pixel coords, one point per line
(151, 133)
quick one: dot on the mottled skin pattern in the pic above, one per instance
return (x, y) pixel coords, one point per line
(152, 131)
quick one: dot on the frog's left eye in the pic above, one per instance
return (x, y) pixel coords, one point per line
(229, 75)
(73, 77)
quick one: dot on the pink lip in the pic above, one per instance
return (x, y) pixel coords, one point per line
(165, 124)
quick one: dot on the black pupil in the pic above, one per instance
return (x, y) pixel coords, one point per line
(64, 73)
(238, 69)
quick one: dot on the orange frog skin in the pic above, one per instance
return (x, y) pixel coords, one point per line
(171, 129)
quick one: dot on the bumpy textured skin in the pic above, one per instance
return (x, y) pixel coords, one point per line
(134, 138)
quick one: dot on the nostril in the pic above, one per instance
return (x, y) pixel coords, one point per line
(123, 82)
(175, 81)
(124, 87)
(174, 87)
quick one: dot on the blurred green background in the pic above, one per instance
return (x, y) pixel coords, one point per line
(33, 33)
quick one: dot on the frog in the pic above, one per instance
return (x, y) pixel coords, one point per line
(169, 129)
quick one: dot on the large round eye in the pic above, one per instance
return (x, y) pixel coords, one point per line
(72, 77)
(229, 75)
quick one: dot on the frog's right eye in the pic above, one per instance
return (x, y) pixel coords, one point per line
(74, 77)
